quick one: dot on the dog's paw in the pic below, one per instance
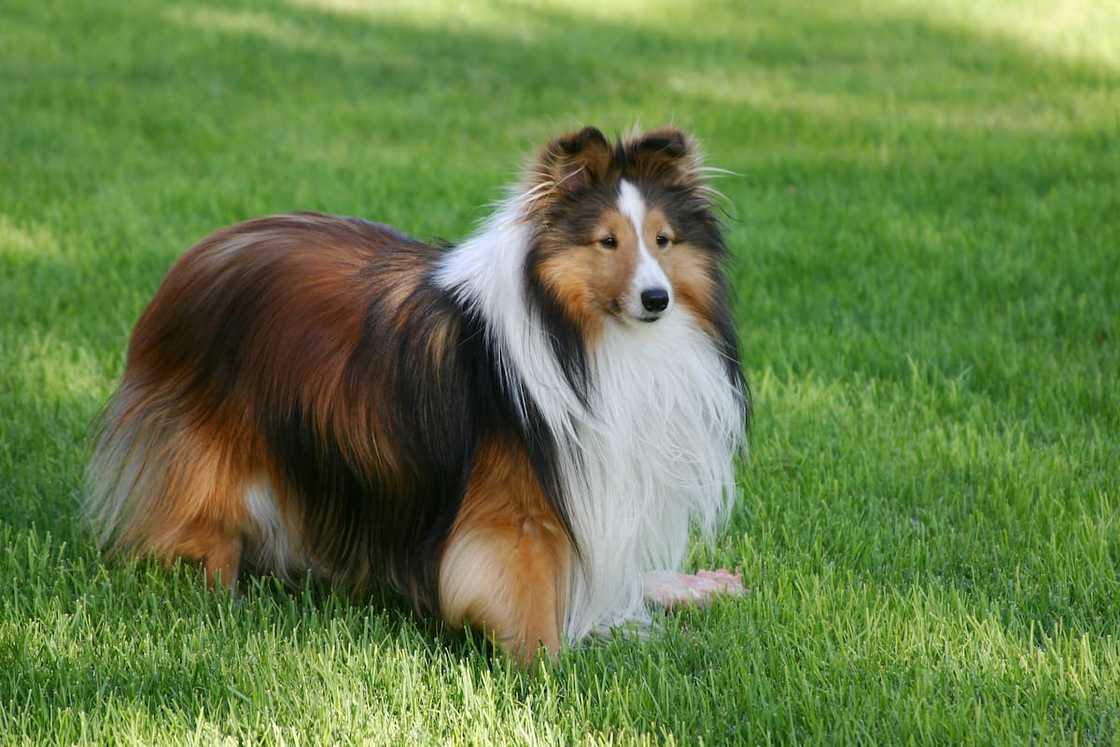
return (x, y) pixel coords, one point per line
(669, 589)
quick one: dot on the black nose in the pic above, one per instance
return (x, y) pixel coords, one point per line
(655, 299)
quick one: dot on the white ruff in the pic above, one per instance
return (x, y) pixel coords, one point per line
(651, 454)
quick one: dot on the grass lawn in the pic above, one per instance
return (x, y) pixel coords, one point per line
(927, 257)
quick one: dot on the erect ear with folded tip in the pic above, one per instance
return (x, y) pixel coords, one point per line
(668, 143)
(575, 160)
(666, 154)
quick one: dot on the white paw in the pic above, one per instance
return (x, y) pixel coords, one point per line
(670, 589)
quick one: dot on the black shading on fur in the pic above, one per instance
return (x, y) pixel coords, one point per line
(439, 412)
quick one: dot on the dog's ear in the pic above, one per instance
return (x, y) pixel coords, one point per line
(666, 143)
(575, 160)
(664, 155)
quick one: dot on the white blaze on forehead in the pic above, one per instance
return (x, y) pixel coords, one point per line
(648, 273)
(631, 205)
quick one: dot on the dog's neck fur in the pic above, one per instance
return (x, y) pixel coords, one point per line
(649, 454)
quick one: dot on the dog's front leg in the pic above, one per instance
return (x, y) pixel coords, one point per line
(506, 563)
(670, 589)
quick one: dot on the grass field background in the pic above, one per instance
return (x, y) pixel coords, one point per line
(927, 257)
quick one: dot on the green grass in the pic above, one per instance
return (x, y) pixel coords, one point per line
(927, 259)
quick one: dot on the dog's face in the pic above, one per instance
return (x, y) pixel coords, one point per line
(623, 232)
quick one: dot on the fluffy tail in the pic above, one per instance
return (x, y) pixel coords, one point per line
(157, 486)
(123, 484)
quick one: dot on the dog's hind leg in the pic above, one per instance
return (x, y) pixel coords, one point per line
(207, 519)
(217, 548)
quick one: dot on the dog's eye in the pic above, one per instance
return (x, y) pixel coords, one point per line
(663, 240)
(610, 242)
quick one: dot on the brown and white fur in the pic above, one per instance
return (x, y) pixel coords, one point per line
(516, 432)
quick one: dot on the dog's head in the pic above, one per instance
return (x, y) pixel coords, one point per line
(623, 231)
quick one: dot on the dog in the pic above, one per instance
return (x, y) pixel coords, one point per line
(516, 432)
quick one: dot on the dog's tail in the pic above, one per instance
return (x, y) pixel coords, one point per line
(125, 478)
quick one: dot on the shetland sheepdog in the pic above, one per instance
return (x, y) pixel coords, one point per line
(515, 432)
